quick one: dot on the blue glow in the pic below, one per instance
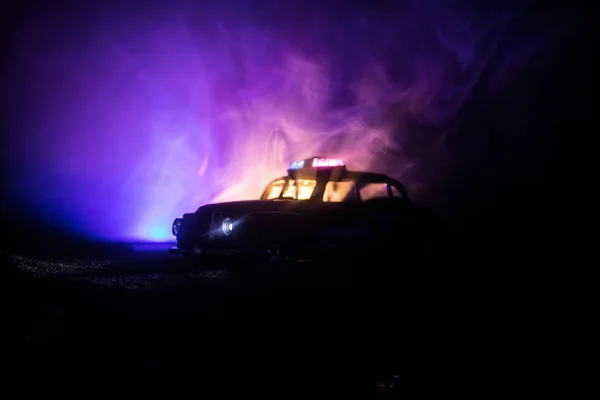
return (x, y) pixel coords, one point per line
(159, 233)
(297, 165)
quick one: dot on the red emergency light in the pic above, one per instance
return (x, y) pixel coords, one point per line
(327, 162)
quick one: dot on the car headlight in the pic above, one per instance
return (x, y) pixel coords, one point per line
(227, 226)
(176, 226)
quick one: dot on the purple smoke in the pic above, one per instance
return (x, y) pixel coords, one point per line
(133, 118)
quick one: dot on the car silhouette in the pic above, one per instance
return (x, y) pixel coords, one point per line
(319, 210)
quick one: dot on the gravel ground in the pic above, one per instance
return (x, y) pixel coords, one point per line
(129, 275)
(153, 313)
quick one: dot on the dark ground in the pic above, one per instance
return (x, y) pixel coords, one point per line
(320, 328)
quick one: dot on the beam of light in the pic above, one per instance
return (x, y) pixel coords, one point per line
(129, 120)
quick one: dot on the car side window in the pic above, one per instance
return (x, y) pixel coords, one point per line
(374, 191)
(336, 192)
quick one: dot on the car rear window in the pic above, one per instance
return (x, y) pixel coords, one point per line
(374, 191)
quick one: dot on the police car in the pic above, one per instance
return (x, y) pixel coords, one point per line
(319, 209)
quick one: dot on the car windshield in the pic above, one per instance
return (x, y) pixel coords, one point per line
(274, 190)
(299, 190)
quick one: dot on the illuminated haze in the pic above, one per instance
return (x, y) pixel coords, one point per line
(137, 117)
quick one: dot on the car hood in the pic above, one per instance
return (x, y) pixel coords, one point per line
(261, 206)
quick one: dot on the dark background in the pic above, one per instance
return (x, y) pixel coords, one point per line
(518, 145)
(518, 197)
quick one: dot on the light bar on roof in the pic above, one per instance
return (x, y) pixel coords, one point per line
(327, 162)
(297, 165)
(317, 162)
